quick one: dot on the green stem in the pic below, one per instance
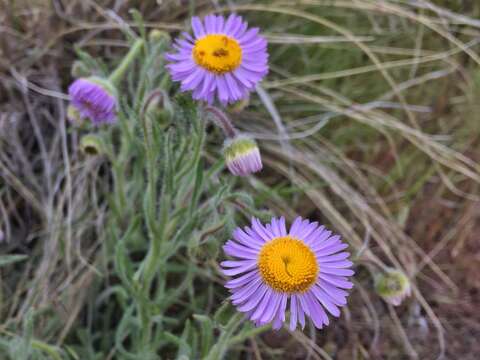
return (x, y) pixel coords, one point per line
(118, 73)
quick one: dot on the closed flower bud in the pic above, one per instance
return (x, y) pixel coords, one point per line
(79, 69)
(92, 144)
(393, 286)
(242, 156)
(156, 36)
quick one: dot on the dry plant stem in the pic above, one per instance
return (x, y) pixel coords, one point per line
(446, 156)
(412, 354)
(441, 56)
(349, 35)
(374, 318)
(314, 350)
(10, 178)
(221, 120)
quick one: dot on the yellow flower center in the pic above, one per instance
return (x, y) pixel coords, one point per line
(287, 265)
(217, 53)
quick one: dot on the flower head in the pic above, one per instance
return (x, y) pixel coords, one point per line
(242, 156)
(393, 286)
(304, 266)
(223, 59)
(95, 99)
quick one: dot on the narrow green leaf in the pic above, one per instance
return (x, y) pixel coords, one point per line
(11, 259)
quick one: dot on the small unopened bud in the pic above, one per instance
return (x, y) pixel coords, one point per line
(393, 286)
(79, 69)
(157, 36)
(242, 156)
(239, 106)
(92, 145)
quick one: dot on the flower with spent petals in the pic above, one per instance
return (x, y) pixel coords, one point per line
(304, 269)
(242, 156)
(224, 59)
(95, 99)
(393, 286)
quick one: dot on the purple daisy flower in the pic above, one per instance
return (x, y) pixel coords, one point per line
(223, 58)
(95, 99)
(305, 266)
(242, 156)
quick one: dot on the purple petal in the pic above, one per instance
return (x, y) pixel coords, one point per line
(239, 270)
(240, 295)
(337, 281)
(242, 280)
(325, 301)
(293, 313)
(272, 309)
(197, 27)
(266, 301)
(247, 239)
(279, 317)
(335, 271)
(255, 299)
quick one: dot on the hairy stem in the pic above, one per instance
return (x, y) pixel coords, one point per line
(222, 120)
(117, 75)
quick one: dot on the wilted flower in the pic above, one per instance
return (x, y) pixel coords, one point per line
(393, 286)
(242, 156)
(95, 99)
(305, 265)
(223, 59)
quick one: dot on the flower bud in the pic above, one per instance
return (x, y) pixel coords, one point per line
(94, 98)
(92, 145)
(242, 156)
(156, 36)
(79, 69)
(393, 286)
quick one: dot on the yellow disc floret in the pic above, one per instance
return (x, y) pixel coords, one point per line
(217, 53)
(287, 265)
